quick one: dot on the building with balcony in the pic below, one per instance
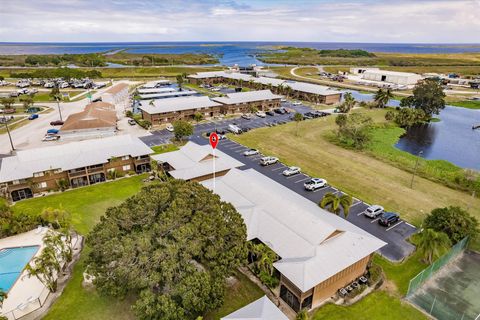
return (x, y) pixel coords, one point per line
(244, 102)
(74, 164)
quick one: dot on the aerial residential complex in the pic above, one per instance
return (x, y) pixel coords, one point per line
(81, 163)
(319, 252)
(294, 89)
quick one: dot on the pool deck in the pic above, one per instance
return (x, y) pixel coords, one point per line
(27, 293)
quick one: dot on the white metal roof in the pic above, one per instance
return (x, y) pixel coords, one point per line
(70, 156)
(192, 161)
(170, 94)
(153, 84)
(176, 104)
(267, 80)
(248, 96)
(261, 309)
(313, 244)
(392, 73)
(155, 90)
(207, 74)
(311, 88)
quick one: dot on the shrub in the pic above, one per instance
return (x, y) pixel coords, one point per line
(374, 273)
(454, 221)
(268, 280)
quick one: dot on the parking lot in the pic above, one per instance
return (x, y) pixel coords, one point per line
(396, 250)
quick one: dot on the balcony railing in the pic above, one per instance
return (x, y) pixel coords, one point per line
(77, 173)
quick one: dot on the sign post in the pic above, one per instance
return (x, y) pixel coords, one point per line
(213, 142)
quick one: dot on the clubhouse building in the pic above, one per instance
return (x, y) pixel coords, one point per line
(319, 252)
(74, 164)
(292, 89)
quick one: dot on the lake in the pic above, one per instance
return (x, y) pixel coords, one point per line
(229, 53)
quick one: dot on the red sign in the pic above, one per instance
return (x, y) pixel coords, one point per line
(213, 140)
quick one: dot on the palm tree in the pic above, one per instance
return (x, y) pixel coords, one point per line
(382, 97)
(297, 117)
(3, 296)
(348, 103)
(432, 244)
(7, 103)
(45, 268)
(267, 258)
(336, 204)
(57, 96)
(180, 81)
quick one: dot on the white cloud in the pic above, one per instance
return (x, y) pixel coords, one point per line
(217, 20)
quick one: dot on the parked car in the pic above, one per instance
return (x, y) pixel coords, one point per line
(245, 129)
(314, 184)
(260, 114)
(279, 111)
(250, 152)
(246, 116)
(132, 122)
(22, 91)
(296, 103)
(169, 127)
(283, 100)
(270, 113)
(52, 131)
(234, 129)
(265, 161)
(32, 90)
(291, 171)
(97, 99)
(56, 123)
(374, 211)
(50, 138)
(33, 116)
(14, 94)
(388, 218)
(220, 131)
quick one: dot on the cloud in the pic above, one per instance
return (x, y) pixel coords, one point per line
(248, 20)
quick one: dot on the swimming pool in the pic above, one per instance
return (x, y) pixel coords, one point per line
(12, 262)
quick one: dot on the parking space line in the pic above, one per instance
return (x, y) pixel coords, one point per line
(302, 180)
(397, 224)
(293, 176)
(359, 214)
(320, 189)
(281, 167)
(237, 146)
(375, 220)
(408, 224)
(240, 150)
(353, 205)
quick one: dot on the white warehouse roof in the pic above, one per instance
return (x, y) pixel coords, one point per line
(70, 156)
(171, 94)
(311, 88)
(261, 309)
(313, 243)
(248, 96)
(176, 104)
(193, 161)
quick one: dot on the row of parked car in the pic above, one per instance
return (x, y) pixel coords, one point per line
(386, 218)
(61, 83)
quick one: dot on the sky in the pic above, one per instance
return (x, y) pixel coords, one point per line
(398, 21)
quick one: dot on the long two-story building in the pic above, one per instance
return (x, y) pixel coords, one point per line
(74, 164)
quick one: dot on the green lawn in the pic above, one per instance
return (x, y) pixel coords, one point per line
(466, 104)
(378, 305)
(164, 148)
(239, 295)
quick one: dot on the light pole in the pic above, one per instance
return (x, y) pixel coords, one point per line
(416, 166)
(8, 132)
(58, 106)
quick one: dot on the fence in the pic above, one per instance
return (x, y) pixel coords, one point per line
(417, 281)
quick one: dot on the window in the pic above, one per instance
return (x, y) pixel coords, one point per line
(125, 157)
(42, 185)
(16, 182)
(38, 174)
(126, 168)
(57, 170)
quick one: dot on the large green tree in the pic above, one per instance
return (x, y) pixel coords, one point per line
(182, 129)
(428, 96)
(173, 244)
(382, 97)
(454, 221)
(354, 129)
(432, 244)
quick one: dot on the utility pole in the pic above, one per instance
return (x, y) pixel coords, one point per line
(415, 170)
(8, 132)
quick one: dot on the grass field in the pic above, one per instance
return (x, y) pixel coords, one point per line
(164, 148)
(378, 305)
(466, 104)
(357, 173)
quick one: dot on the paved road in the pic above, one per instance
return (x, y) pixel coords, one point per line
(397, 249)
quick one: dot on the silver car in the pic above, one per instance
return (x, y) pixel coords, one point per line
(374, 211)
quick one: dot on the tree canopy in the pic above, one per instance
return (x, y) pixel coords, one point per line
(428, 96)
(354, 129)
(173, 244)
(454, 221)
(182, 129)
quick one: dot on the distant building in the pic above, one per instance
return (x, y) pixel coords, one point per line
(169, 94)
(116, 94)
(243, 102)
(77, 163)
(297, 89)
(156, 84)
(98, 119)
(395, 77)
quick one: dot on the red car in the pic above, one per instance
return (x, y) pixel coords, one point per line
(56, 123)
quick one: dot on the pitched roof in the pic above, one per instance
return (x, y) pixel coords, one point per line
(248, 96)
(155, 90)
(70, 156)
(117, 88)
(176, 104)
(96, 115)
(311, 88)
(193, 160)
(261, 309)
(313, 244)
(171, 94)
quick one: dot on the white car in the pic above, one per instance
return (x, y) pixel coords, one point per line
(296, 103)
(169, 128)
(50, 138)
(374, 211)
(314, 184)
(247, 116)
(215, 89)
(63, 85)
(265, 161)
(234, 129)
(283, 100)
(260, 114)
(250, 152)
(291, 171)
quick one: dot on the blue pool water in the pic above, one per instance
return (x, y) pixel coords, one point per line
(12, 262)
